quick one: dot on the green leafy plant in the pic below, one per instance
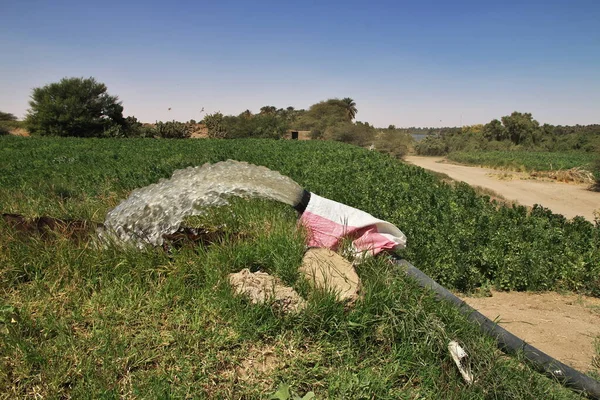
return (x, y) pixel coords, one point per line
(285, 393)
(214, 123)
(172, 130)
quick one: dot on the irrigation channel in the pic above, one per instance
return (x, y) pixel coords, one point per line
(153, 215)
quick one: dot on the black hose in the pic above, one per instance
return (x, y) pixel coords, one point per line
(301, 206)
(509, 343)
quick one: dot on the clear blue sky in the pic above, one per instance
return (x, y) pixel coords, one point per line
(408, 63)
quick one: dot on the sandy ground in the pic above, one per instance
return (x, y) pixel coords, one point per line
(563, 326)
(19, 132)
(562, 198)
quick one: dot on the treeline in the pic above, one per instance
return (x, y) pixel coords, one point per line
(82, 108)
(330, 120)
(518, 131)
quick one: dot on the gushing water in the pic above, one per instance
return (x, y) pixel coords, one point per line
(158, 209)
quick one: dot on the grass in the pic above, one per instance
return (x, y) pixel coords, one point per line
(526, 161)
(83, 321)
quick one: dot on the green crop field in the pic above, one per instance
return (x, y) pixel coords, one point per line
(103, 322)
(526, 160)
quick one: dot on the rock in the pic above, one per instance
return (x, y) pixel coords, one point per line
(261, 287)
(329, 271)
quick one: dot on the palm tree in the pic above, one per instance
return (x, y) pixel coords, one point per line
(350, 107)
(268, 110)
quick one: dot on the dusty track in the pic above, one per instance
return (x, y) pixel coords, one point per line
(567, 199)
(563, 326)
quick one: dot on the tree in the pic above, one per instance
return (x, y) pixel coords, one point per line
(494, 131)
(521, 127)
(322, 115)
(268, 110)
(74, 107)
(351, 109)
(7, 116)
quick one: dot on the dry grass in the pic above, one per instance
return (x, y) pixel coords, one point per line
(19, 132)
(573, 175)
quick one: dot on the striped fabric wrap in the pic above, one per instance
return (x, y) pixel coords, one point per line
(328, 222)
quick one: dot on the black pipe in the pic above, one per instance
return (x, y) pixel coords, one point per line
(301, 206)
(509, 343)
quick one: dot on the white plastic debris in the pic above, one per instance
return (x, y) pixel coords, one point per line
(461, 359)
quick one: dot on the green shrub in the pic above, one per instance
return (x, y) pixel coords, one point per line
(3, 130)
(359, 134)
(394, 143)
(172, 130)
(316, 134)
(267, 126)
(432, 146)
(596, 172)
(214, 124)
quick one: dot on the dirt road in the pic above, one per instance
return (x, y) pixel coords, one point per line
(563, 326)
(562, 198)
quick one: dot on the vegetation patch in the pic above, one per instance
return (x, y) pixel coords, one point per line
(461, 239)
(526, 161)
(86, 322)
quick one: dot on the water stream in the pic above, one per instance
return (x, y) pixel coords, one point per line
(158, 209)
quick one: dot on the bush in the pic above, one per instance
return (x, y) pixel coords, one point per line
(3, 130)
(432, 146)
(596, 172)
(75, 107)
(316, 134)
(394, 143)
(359, 134)
(134, 128)
(214, 124)
(265, 126)
(172, 130)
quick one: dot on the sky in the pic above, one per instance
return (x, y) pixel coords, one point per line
(407, 63)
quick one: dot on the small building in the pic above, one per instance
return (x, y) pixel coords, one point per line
(297, 135)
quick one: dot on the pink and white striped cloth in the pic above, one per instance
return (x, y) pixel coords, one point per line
(328, 222)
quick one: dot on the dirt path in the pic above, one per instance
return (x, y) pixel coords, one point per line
(563, 326)
(562, 198)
